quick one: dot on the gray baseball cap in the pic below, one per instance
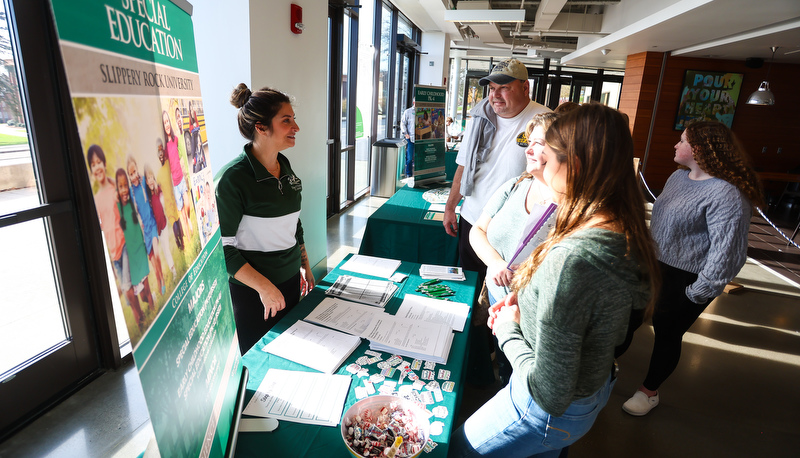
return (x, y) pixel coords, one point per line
(506, 72)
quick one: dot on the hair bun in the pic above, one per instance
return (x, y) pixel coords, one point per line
(241, 94)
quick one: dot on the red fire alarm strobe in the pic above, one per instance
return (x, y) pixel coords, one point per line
(296, 20)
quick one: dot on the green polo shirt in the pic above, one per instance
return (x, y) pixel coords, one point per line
(259, 217)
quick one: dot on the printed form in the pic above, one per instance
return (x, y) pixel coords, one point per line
(300, 397)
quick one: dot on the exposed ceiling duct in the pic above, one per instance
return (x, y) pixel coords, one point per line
(552, 27)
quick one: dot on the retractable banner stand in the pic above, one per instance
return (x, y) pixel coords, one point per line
(131, 67)
(429, 136)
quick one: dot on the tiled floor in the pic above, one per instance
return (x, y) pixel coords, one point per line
(774, 251)
(734, 393)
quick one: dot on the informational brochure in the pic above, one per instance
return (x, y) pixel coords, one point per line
(300, 397)
(343, 316)
(441, 207)
(363, 290)
(453, 314)
(411, 338)
(434, 216)
(540, 221)
(313, 346)
(370, 265)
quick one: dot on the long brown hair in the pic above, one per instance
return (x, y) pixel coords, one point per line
(594, 142)
(720, 154)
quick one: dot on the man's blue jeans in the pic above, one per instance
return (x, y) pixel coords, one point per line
(511, 424)
(409, 158)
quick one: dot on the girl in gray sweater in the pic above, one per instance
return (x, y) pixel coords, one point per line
(573, 295)
(700, 223)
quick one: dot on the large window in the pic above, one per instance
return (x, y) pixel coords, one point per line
(384, 72)
(549, 86)
(55, 330)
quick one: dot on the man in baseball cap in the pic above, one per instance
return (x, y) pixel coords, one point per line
(491, 152)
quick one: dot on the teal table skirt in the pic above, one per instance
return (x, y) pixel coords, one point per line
(399, 230)
(302, 440)
(450, 165)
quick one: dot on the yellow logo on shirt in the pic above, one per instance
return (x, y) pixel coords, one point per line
(522, 139)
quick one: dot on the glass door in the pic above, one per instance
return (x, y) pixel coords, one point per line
(47, 334)
(342, 67)
(402, 90)
(473, 93)
(581, 92)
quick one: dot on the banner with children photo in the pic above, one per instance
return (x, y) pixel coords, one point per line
(132, 73)
(429, 145)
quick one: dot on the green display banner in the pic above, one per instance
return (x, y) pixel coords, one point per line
(131, 67)
(151, 30)
(429, 136)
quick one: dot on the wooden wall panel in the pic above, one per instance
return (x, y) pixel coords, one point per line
(756, 126)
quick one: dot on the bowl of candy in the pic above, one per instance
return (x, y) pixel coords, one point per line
(375, 425)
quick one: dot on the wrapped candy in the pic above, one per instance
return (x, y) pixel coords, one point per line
(376, 434)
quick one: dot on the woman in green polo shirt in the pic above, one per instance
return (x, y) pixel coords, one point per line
(258, 197)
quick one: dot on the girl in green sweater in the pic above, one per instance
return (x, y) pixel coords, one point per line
(573, 295)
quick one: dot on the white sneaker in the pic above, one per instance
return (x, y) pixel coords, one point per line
(640, 404)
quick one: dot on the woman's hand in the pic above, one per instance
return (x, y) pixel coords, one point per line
(498, 272)
(306, 276)
(272, 299)
(307, 281)
(503, 311)
(506, 314)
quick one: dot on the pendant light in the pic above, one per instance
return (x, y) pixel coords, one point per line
(763, 96)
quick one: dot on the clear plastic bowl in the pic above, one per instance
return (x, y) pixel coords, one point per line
(375, 403)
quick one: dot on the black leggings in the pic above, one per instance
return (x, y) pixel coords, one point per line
(248, 311)
(674, 314)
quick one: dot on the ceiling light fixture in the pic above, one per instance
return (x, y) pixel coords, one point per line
(484, 15)
(605, 51)
(763, 96)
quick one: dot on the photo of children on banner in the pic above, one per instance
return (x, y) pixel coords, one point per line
(137, 253)
(145, 211)
(205, 206)
(179, 173)
(146, 225)
(194, 142)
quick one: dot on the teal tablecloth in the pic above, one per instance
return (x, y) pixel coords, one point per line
(399, 230)
(302, 440)
(450, 165)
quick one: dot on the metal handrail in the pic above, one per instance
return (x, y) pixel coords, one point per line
(788, 239)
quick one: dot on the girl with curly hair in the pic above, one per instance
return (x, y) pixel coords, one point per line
(700, 223)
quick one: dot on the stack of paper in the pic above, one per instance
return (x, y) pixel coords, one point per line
(409, 337)
(428, 272)
(370, 292)
(453, 314)
(313, 346)
(343, 316)
(369, 265)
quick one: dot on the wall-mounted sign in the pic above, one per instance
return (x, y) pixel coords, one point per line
(708, 96)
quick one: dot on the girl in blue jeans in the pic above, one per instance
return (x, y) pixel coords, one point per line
(573, 296)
